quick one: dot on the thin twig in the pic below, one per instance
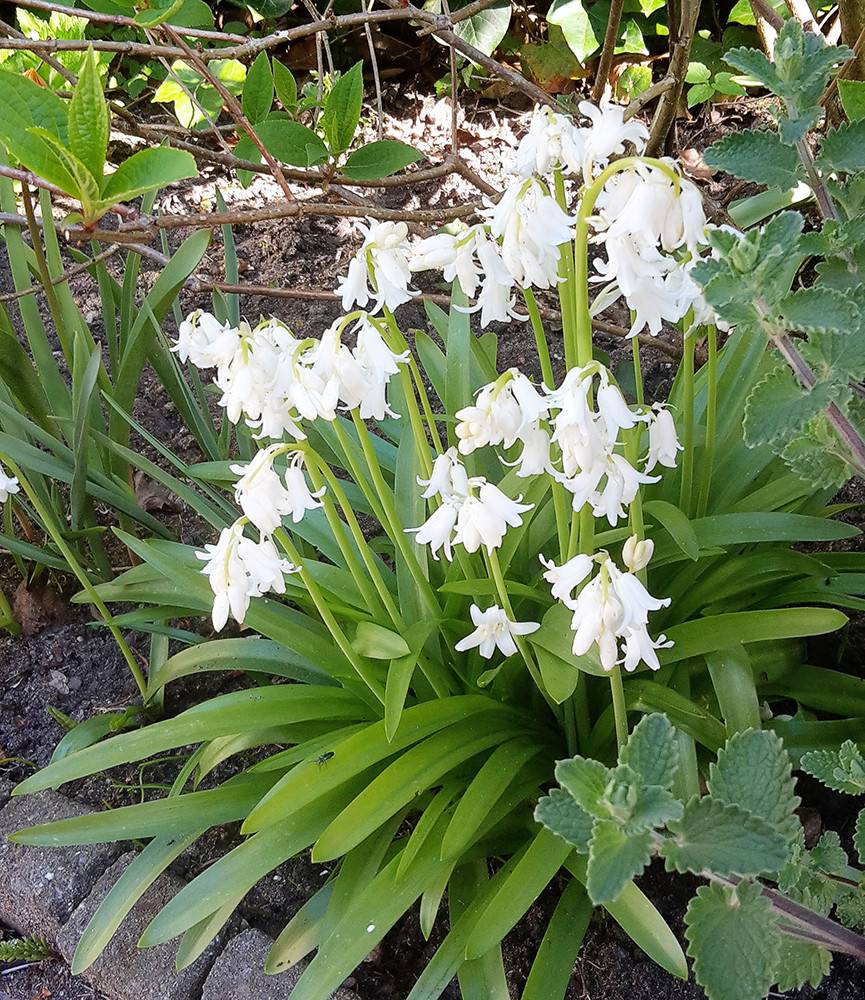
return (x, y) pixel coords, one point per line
(455, 17)
(235, 111)
(375, 76)
(122, 21)
(45, 57)
(611, 37)
(648, 95)
(65, 275)
(28, 177)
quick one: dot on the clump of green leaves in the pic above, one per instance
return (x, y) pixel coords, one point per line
(66, 143)
(807, 409)
(742, 936)
(29, 949)
(333, 135)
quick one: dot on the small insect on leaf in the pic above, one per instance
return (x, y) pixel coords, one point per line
(324, 758)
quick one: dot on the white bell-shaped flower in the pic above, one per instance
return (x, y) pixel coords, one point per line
(204, 341)
(663, 441)
(379, 271)
(8, 485)
(494, 630)
(608, 134)
(553, 142)
(565, 579)
(265, 498)
(484, 519)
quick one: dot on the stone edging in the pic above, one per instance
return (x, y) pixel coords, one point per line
(52, 893)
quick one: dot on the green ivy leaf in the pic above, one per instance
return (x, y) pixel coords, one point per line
(734, 940)
(341, 114)
(285, 85)
(586, 780)
(852, 95)
(726, 840)
(615, 858)
(291, 142)
(652, 750)
(755, 156)
(778, 407)
(843, 149)
(558, 812)
(753, 771)
(257, 94)
(842, 770)
(487, 28)
(572, 18)
(380, 159)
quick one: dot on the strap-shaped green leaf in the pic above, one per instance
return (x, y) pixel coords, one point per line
(554, 960)
(221, 716)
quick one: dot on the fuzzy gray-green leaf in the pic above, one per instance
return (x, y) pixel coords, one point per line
(614, 859)
(726, 840)
(560, 813)
(755, 156)
(734, 940)
(754, 772)
(586, 780)
(652, 750)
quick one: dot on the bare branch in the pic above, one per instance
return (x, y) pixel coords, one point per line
(611, 36)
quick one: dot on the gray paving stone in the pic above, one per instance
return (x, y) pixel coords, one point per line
(40, 887)
(124, 971)
(238, 973)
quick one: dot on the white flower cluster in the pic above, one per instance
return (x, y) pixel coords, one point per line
(644, 216)
(274, 380)
(568, 436)
(472, 511)
(612, 609)
(239, 568)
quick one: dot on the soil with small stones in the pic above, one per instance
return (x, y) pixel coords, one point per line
(72, 665)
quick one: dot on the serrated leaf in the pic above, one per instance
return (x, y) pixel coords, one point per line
(615, 858)
(820, 310)
(755, 156)
(753, 63)
(850, 909)
(841, 770)
(828, 855)
(652, 750)
(257, 94)
(726, 840)
(341, 113)
(586, 780)
(380, 159)
(843, 149)
(88, 119)
(558, 812)
(778, 407)
(816, 462)
(635, 806)
(859, 837)
(753, 771)
(852, 96)
(801, 962)
(734, 940)
(291, 142)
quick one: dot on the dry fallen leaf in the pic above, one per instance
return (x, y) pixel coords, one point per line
(695, 166)
(38, 608)
(152, 496)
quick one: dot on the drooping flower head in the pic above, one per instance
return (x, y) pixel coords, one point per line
(379, 271)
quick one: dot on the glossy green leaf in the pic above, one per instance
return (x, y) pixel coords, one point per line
(148, 170)
(88, 119)
(341, 114)
(380, 159)
(291, 142)
(257, 94)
